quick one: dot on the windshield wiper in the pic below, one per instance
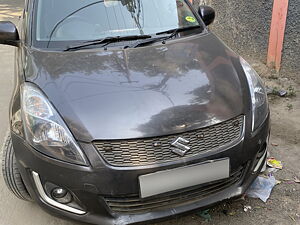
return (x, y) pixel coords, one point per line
(176, 30)
(106, 41)
(172, 31)
(147, 41)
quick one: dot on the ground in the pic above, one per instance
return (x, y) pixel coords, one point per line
(282, 208)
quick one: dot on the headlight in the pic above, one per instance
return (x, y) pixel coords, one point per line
(44, 128)
(258, 95)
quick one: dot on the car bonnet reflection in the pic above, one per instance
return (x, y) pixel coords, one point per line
(140, 92)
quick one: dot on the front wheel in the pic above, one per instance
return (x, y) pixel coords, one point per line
(10, 171)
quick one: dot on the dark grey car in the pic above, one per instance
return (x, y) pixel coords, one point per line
(127, 111)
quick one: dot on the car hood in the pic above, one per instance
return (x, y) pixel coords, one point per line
(150, 91)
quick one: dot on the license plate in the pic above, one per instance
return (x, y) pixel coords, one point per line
(183, 177)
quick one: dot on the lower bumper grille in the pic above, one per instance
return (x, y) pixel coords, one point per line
(139, 152)
(135, 205)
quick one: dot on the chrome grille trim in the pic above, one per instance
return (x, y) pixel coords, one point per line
(146, 151)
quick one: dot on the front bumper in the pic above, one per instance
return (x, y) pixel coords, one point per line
(93, 185)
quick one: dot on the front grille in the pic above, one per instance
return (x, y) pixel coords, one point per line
(139, 152)
(135, 205)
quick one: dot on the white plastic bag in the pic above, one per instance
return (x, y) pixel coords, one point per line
(261, 188)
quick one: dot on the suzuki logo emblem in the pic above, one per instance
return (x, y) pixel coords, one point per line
(180, 147)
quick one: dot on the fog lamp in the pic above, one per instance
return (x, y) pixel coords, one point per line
(61, 195)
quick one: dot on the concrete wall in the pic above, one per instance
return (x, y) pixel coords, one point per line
(291, 50)
(245, 26)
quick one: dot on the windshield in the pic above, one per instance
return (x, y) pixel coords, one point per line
(60, 22)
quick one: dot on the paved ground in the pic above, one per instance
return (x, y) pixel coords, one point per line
(282, 208)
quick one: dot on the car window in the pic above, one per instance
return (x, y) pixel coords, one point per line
(74, 20)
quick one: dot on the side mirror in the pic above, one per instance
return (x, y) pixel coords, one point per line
(9, 34)
(207, 14)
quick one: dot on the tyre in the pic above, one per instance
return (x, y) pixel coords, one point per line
(10, 171)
